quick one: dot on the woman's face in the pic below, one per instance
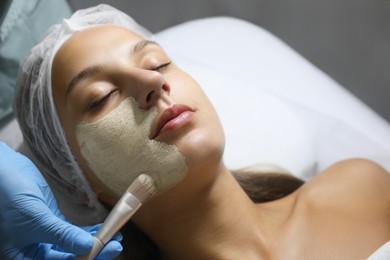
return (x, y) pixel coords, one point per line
(96, 69)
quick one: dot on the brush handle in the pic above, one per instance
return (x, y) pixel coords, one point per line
(97, 247)
(119, 215)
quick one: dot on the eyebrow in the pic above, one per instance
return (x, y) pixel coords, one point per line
(139, 46)
(93, 70)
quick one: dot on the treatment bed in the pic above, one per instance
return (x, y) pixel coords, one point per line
(275, 106)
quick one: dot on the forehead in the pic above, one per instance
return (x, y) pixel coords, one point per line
(91, 46)
(95, 39)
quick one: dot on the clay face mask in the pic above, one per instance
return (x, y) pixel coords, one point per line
(117, 149)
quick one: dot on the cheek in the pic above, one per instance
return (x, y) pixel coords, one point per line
(205, 142)
(118, 150)
(202, 146)
(183, 85)
(69, 127)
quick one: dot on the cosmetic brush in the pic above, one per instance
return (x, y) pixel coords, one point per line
(142, 189)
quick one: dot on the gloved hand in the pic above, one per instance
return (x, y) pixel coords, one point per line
(31, 225)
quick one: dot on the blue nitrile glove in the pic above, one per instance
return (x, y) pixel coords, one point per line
(31, 225)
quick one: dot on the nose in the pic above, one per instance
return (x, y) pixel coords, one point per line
(151, 86)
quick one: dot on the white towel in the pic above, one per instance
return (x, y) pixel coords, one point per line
(383, 253)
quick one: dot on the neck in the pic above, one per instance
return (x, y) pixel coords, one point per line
(218, 221)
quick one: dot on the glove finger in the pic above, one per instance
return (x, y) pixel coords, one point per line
(67, 236)
(51, 201)
(45, 251)
(92, 229)
(118, 237)
(111, 250)
(57, 255)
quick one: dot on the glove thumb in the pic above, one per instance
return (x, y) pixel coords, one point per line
(70, 238)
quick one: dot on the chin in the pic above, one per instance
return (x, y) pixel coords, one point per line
(202, 148)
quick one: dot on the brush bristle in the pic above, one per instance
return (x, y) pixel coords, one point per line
(143, 187)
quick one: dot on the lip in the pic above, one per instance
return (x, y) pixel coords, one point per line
(173, 117)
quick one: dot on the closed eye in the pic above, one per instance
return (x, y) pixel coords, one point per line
(162, 66)
(100, 101)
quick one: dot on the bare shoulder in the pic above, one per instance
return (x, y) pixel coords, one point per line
(353, 183)
(346, 208)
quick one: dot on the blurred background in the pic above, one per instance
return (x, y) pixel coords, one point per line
(347, 39)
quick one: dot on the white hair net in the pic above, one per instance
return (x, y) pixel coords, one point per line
(37, 116)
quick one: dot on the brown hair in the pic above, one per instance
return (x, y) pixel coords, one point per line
(260, 186)
(266, 186)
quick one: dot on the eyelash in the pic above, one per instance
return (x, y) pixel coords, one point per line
(100, 101)
(162, 66)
